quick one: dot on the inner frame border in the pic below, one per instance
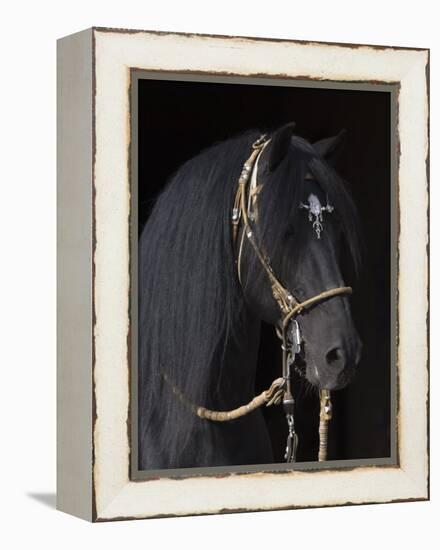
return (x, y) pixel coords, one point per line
(221, 471)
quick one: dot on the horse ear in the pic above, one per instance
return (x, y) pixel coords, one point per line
(279, 145)
(329, 148)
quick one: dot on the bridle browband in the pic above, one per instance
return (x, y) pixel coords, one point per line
(287, 330)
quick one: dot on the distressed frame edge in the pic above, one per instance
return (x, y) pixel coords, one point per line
(428, 259)
(74, 274)
(108, 515)
(121, 30)
(421, 493)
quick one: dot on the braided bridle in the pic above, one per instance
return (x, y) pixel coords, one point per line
(290, 307)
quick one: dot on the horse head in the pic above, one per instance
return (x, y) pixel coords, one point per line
(302, 218)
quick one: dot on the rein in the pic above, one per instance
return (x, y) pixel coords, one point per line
(287, 330)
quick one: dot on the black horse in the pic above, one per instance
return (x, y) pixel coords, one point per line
(199, 324)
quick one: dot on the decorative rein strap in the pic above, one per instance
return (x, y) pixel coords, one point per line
(280, 390)
(325, 416)
(271, 396)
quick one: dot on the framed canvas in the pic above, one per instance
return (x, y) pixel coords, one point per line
(242, 274)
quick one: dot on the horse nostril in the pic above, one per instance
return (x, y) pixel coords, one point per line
(335, 355)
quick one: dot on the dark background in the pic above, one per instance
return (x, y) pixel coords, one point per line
(178, 119)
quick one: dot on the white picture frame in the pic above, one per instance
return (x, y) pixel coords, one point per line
(94, 324)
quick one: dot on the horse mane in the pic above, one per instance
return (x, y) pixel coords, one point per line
(190, 303)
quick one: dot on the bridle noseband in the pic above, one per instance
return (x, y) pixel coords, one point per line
(280, 391)
(290, 307)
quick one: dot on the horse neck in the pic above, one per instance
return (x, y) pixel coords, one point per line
(237, 381)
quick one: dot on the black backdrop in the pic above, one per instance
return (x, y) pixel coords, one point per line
(177, 119)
